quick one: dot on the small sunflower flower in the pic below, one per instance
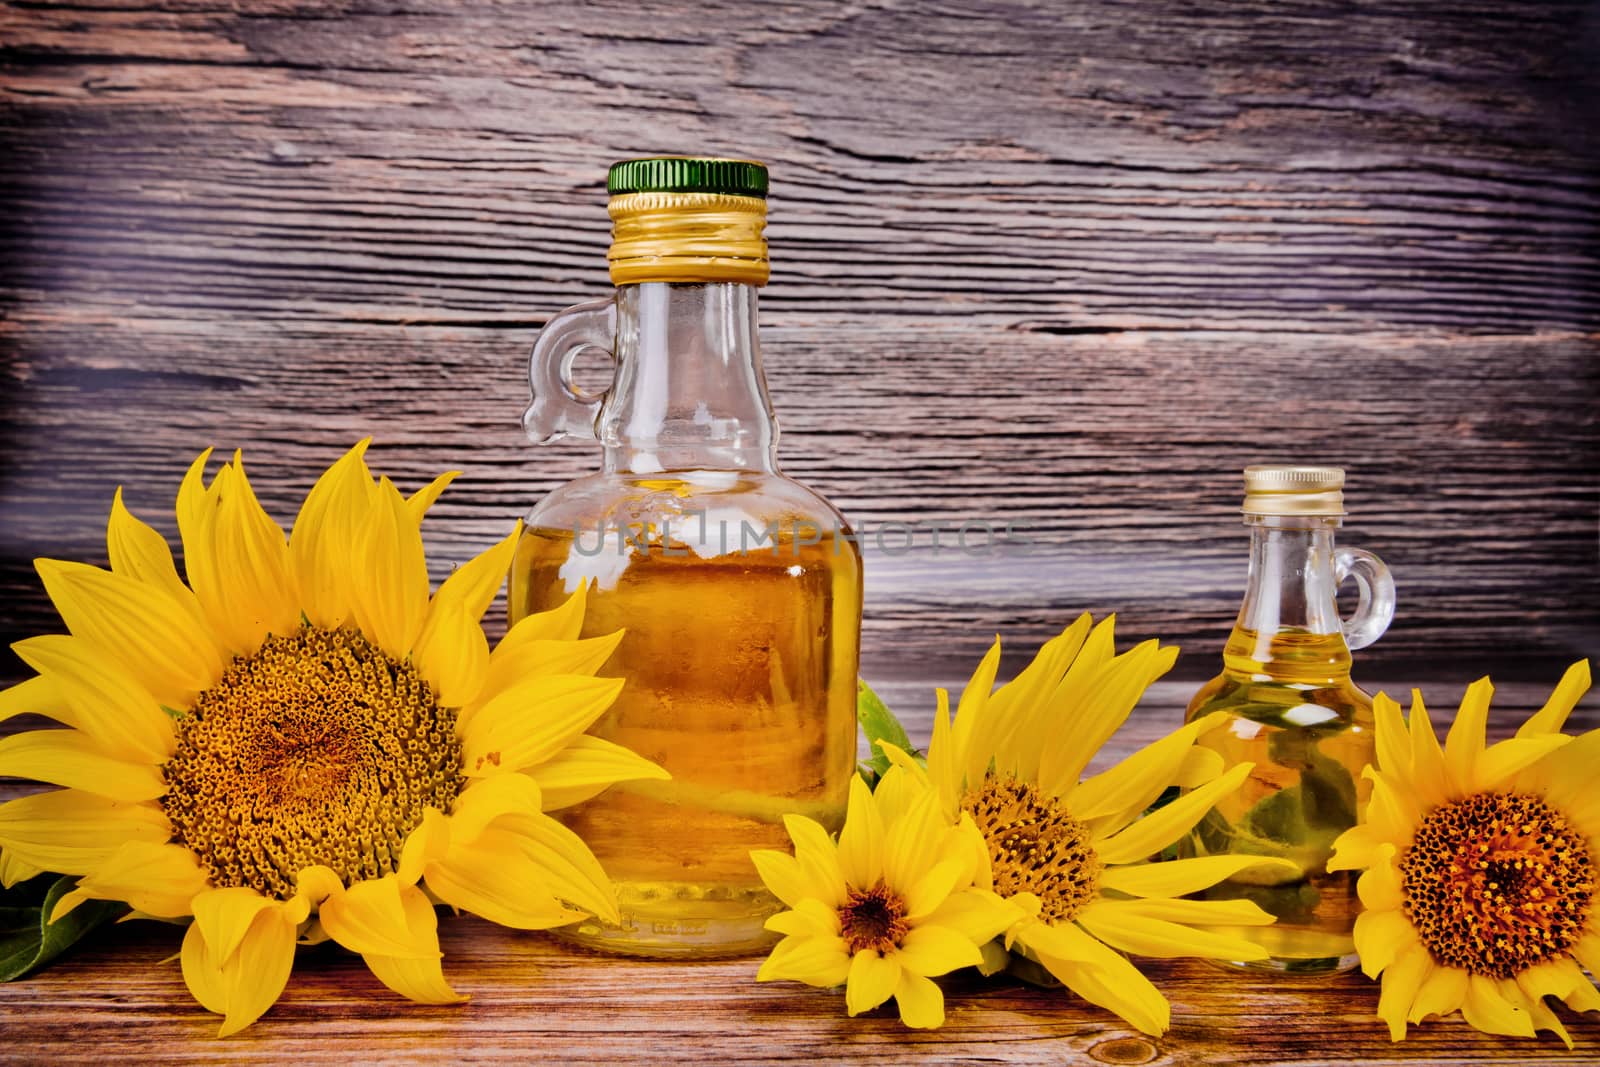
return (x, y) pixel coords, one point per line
(1012, 762)
(301, 742)
(1481, 866)
(885, 909)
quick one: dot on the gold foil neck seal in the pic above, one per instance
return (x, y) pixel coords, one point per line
(688, 237)
(1274, 489)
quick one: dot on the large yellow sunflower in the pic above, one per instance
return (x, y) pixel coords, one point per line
(302, 743)
(1012, 762)
(1481, 866)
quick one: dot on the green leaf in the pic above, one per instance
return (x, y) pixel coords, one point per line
(29, 941)
(879, 724)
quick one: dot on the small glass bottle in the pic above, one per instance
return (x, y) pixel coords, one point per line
(738, 588)
(1296, 715)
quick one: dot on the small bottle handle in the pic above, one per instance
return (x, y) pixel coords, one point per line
(560, 408)
(1375, 610)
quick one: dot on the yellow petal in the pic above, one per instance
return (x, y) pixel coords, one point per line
(1165, 825)
(1131, 786)
(1381, 937)
(1010, 705)
(562, 623)
(419, 976)
(1439, 993)
(920, 1002)
(1379, 888)
(198, 505)
(973, 759)
(1199, 766)
(1393, 742)
(1133, 930)
(1401, 981)
(585, 768)
(911, 846)
(255, 579)
(69, 758)
(99, 697)
(484, 802)
(818, 858)
(1177, 878)
(156, 879)
(1101, 976)
(237, 973)
(525, 659)
(934, 887)
(1563, 979)
(816, 961)
(493, 879)
(872, 980)
(225, 916)
(71, 832)
(327, 537)
(1353, 850)
(782, 875)
(930, 951)
(137, 625)
(476, 582)
(14, 870)
(1501, 761)
(861, 840)
(452, 654)
(1487, 1010)
(451, 651)
(423, 499)
(944, 758)
(1090, 704)
(532, 721)
(566, 866)
(1198, 912)
(1540, 1016)
(35, 696)
(1430, 779)
(371, 918)
(389, 587)
(1464, 744)
(1550, 718)
(976, 914)
(811, 918)
(139, 552)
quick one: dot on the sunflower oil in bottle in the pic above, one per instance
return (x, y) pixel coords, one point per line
(1295, 714)
(738, 588)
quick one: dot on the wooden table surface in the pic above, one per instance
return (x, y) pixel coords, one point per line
(534, 1000)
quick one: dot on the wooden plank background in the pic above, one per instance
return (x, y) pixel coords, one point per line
(1067, 266)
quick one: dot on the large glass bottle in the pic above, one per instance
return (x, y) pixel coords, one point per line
(1296, 715)
(738, 588)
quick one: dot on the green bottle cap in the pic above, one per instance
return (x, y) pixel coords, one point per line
(688, 174)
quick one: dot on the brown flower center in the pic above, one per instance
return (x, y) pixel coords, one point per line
(873, 918)
(1035, 846)
(317, 749)
(1497, 883)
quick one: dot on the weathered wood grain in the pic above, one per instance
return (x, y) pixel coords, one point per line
(1121, 470)
(1063, 266)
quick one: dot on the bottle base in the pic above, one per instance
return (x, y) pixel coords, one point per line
(1311, 965)
(681, 921)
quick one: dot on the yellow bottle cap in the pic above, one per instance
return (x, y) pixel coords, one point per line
(1277, 489)
(688, 219)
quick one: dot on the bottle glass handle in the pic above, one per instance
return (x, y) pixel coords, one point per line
(560, 408)
(1375, 610)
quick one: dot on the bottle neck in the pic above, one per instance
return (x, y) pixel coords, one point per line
(689, 392)
(1289, 627)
